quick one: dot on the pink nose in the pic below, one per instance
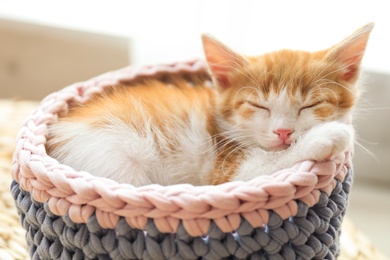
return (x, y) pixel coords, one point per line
(284, 133)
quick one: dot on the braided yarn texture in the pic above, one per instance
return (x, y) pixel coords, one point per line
(292, 214)
(312, 234)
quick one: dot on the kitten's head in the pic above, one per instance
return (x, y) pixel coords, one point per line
(270, 100)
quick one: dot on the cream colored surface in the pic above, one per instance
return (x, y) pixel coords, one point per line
(369, 210)
(12, 235)
(372, 122)
(37, 60)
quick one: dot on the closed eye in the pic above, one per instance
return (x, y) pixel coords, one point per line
(257, 105)
(312, 105)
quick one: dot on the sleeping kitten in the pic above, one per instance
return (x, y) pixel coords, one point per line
(263, 114)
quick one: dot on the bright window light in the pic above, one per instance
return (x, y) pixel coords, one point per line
(170, 30)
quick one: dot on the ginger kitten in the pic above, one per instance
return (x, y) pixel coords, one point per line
(263, 114)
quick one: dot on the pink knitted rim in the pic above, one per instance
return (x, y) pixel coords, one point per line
(81, 194)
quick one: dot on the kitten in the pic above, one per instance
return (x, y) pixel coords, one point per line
(263, 114)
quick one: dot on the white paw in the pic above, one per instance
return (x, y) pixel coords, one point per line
(327, 140)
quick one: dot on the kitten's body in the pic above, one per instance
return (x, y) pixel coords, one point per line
(264, 114)
(134, 137)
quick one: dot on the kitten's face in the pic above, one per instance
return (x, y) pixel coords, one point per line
(276, 97)
(271, 100)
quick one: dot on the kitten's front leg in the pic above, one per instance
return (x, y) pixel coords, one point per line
(320, 143)
(324, 141)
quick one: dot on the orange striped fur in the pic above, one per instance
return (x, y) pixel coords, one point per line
(262, 114)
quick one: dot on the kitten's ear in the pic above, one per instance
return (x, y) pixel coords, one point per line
(221, 60)
(349, 52)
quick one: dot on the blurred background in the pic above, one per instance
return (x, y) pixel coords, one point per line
(47, 45)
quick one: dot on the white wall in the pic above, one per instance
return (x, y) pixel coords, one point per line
(37, 60)
(169, 30)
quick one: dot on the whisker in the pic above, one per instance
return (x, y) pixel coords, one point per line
(233, 151)
(372, 109)
(366, 150)
(367, 142)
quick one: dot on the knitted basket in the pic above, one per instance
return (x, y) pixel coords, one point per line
(292, 214)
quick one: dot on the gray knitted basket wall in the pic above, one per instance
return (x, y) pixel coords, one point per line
(312, 234)
(295, 213)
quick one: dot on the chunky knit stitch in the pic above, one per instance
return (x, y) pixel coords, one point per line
(312, 234)
(294, 213)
